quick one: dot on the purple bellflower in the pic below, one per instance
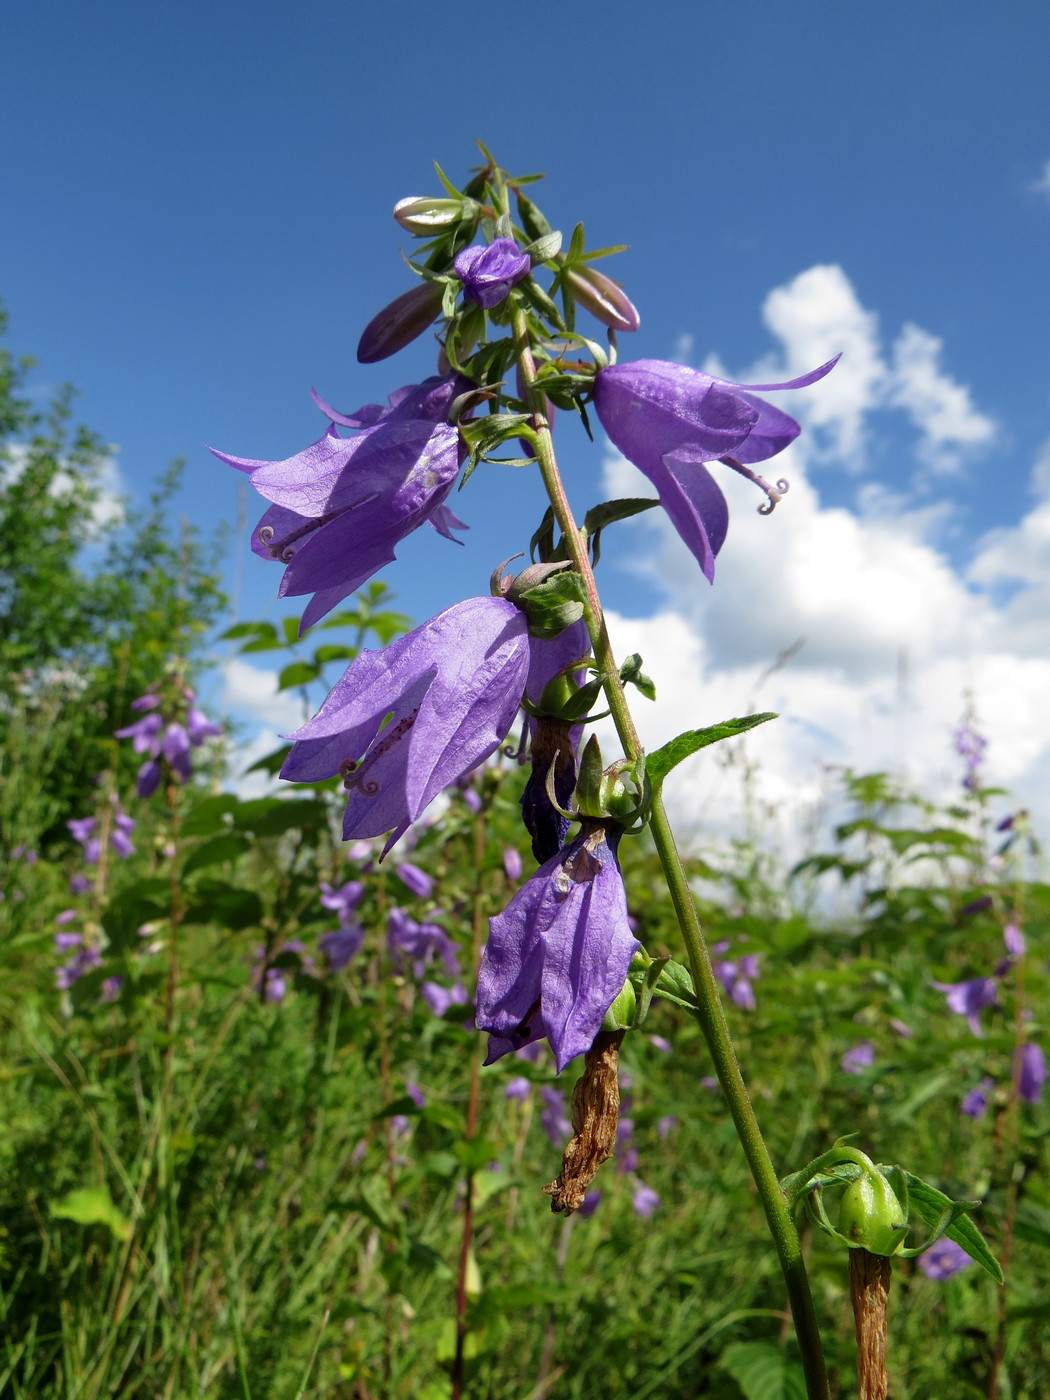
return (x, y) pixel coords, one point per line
(553, 1118)
(341, 506)
(558, 955)
(669, 420)
(970, 998)
(341, 944)
(488, 273)
(975, 1101)
(644, 1201)
(452, 687)
(943, 1259)
(1032, 1076)
(858, 1058)
(440, 998)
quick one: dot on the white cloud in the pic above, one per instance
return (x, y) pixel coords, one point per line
(109, 505)
(252, 691)
(894, 636)
(1041, 185)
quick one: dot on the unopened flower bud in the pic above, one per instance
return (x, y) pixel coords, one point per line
(398, 324)
(603, 298)
(427, 215)
(871, 1216)
(620, 1016)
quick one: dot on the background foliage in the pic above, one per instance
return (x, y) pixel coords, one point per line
(230, 1169)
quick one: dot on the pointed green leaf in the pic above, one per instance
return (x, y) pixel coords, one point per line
(932, 1204)
(660, 763)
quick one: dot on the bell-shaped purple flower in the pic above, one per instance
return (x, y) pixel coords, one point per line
(342, 944)
(1032, 1075)
(558, 955)
(452, 688)
(670, 419)
(488, 273)
(943, 1259)
(341, 506)
(970, 998)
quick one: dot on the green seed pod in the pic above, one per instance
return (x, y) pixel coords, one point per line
(621, 1015)
(871, 1217)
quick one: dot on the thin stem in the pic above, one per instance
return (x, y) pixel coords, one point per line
(709, 1009)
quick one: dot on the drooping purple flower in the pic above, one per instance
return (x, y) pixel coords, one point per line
(417, 881)
(943, 1259)
(858, 1058)
(79, 884)
(558, 955)
(970, 746)
(452, 686)
(553, 1118)
(665, 1126)
(975, 1101)
(1014, 940)
(1032, 1075)
(970, 998)
(489, 272)
(440, 998)
(341, 944)
(341, 506)
(669, 420)
(82, 828)
(200, 727)
(644, 1201)
(554, 742)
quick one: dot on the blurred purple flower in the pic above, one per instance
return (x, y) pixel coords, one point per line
(1032, 1076)
(859, 1058)
(558, 954)
(669, 420)
(340, 507)
(488, 273)
(440, 998)
(512, 863)
(943, 1259)
(111, 988)
(661, 1044)
(418, 881)
(644, 1201)
(342, 899)
(737, 976)
(415, 1093)
(971, 746)
(66, 917)
(977, 906)
(453, 687)
(975, 1101)
(517, 1089)
(553, 1118)
(168, 739)
(1014, 940)
(79, 884)
(276, 985)
(471, 798)
(407, 939)
(665, 1126)
(970, 998)
(900, 1028)
(589, 1205)
(342, 944)
(83, 960)
(626, 1148)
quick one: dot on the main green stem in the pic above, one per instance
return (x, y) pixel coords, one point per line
(709, 1003)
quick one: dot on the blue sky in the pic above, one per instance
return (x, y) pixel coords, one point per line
(196, 226)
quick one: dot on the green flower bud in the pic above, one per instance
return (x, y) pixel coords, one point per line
(426, 215)
(621, 1015)
(871, 1217)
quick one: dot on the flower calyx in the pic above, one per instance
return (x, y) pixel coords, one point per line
(613, 794)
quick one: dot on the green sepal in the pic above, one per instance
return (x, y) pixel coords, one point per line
(622, 1015)
(589, 781)
(554, 605)
(544, 248)
(532, 220)
(449, 186)
(645, 979)
(541, 302)
(671, 755)
(631, 673)
(575, 252)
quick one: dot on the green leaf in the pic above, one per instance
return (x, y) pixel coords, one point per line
(532, 220)
(660, 763)
(207, 816)
(229, 906)
(631, 673)
(125, 914)
(92, 1205)
(333, 652)
(931, 1205)
(228, 846)
(542, 249)
(763, 1372)
(272, 816)
(261, 631)
(298, 673)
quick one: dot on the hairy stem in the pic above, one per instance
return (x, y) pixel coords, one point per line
(710, 1013)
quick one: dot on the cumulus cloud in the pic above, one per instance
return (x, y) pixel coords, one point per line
(252, 691)
(886, 638)
(1041, 185)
